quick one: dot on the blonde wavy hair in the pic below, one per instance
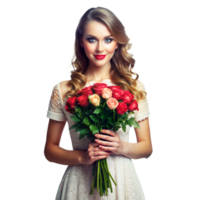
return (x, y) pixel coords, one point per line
(122, 62)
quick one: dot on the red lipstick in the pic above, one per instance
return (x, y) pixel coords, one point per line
(100, 57)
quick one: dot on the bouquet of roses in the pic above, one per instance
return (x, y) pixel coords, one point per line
(97, 107)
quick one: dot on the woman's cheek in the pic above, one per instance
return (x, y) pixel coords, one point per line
(89, 48)
(111, 48)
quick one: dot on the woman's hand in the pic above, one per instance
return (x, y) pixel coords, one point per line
(93, 153)
(113, 143)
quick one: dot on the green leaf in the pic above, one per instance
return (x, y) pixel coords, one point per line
(74, 126)
(97, 110)
(88, 112)
(136, 125)
(100, 128)
(117, 127)
(131, 121)
(94, 118)
(79, 128)
(117, 123)
(107, 126)
(110, 122)
(94, 129)
(124, 127)
(78, 108)
(75, 118)
(78, 114)
(90, 137)
(84, 132)
(101, 115)
(124, 116)
(86, 121)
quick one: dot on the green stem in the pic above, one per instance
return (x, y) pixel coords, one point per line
(95, 184)
(110, 174)
(104, 177)
(109, 182)
(98, 176)
(94, 178)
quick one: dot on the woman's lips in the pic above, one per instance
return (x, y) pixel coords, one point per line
(100, 57)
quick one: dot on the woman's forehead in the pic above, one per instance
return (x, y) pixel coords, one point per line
(97, 29)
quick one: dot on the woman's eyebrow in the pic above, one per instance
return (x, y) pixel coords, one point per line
(96, 37)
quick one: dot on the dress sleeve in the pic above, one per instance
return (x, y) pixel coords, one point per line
(143, 106)
(56, 108)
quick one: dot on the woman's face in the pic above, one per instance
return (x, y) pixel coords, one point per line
(97, 40)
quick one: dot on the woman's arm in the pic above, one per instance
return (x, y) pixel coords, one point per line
(143, 147)
(53, 152)
(64, 157)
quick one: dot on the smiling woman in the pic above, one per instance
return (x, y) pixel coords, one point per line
(101, 61)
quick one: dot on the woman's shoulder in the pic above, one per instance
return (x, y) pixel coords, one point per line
(140, 85)
(64, 88)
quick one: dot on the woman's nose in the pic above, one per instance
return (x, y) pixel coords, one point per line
(100, 46)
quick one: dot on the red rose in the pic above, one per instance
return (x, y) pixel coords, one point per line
(114, 87)
(83, 101)
(86, 91)
(98, 87)
(121, 108)
(127, 97)
(133, 106)
(117, 93)
(70, 104)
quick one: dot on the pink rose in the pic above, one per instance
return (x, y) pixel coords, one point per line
(112, 103)
(133, 106)
(70, 104)
(98, 87)
(106, 93)
(121, 108)
(83, 101)
(94, 99)
(127, 97)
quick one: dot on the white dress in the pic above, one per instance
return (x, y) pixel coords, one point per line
(77, 179)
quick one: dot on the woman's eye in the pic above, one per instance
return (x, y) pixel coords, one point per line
(109, 40)
(92, 40)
